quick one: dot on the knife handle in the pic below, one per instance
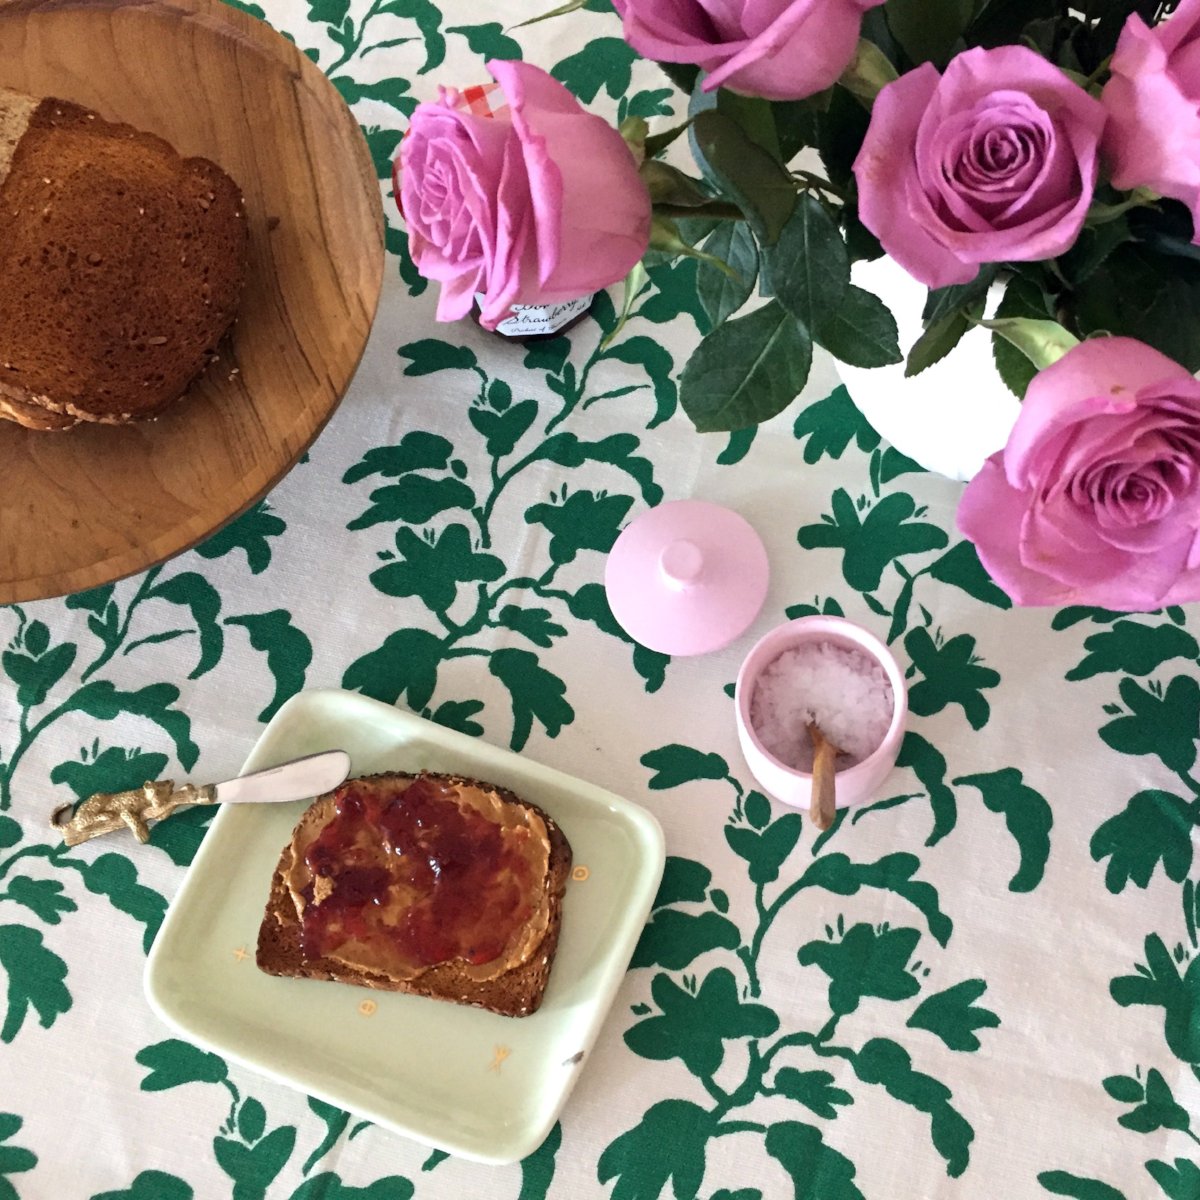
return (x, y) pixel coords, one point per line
(108, 812)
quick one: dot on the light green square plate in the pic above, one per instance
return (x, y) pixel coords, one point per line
(475, 1084)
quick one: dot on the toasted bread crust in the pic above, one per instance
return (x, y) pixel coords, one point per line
(123, 265)
(516, 993)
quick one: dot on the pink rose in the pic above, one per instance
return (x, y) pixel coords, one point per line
(1096, 498)
(1153, 103)
(780, 49)
(995, 161)
(540, 203)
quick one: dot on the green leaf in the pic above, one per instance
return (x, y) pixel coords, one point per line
(101, 700)
(590, 603)
(329, 1186)
(746, 371)
(1022, 298)
(868, 72)
(742, 170)
(952, 675)
(151, 1185)
(536, 694)
(953, 1015)
(96, 600)
(254, 1168)
(114, 876)
(721, 295)
(757, 809)
(537, 1169)
(683, 880)
(817, 1171)
(251, 1119)
(431, 354)
(831, 424)
(417, 451)
(43, 897)
(928, 29)
(13, 1159)
(1027, 815)
(35, 978)
(407, 662)
(288, 649)
(1124, 1089)
(617, 450)
(428, 18)
(249, 533)
(392, 92)
(532, 623)
(675, 939)
(675, 764)
(649, 354)
(1159, 984)
(960, 567)
(860, 331)
(939, 338)
(604, 63)
(695, 1027)
(37, 638)
(666, 1146)
(382, 144)
(1133, 648)
(173, 1063)
(866, 962)
(10, 832)
(766, 851)
(1062, 1183)
(35, 676)
(503, 430)
(1156, 827)
(893, 872)
(1178, 1182)
(200, 598)
(1160, 1111)
(929, 766)
(457, 714)
(813, 1089)
(328, 12)
(884, 1062)
(336, 1120)
(808, 266)
(415, 500)
(489, 41)
(1164, 724)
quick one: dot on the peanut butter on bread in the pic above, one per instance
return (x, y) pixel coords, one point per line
(431, 884)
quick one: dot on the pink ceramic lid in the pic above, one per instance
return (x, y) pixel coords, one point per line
(687, 577)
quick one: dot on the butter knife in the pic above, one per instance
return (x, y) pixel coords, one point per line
(107, 812)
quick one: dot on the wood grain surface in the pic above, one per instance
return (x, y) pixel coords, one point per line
(85, 507)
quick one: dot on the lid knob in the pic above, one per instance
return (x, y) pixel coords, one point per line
(682, 563)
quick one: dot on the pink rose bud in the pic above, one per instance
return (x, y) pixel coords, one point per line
(780, 49)
(1153, 103)
(539, 203)
(1096, 498)
(994, 161)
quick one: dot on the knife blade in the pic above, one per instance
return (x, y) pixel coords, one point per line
(300, 779)
(106, 812)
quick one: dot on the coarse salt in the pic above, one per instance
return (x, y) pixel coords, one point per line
(845, 691)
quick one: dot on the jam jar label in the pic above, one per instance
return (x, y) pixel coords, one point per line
(530, 320)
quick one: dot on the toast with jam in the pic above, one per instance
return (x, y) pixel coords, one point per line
(121, 266)
(436, 885)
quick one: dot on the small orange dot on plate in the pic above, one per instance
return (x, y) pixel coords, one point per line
(367, 1008)
(580, 873)
(240, 954)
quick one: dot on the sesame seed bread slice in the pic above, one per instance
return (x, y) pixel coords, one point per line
(122, 266)
(516, 993)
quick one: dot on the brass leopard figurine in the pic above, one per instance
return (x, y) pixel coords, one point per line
(106, 812)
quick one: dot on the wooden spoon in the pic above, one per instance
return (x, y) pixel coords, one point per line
(823, 807)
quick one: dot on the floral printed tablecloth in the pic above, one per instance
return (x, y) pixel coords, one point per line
(986, 984)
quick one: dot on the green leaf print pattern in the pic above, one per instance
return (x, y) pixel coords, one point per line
(1155, 712)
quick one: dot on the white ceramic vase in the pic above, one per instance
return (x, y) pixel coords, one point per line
(951, 416)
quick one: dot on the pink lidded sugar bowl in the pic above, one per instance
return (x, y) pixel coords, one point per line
(831, 671)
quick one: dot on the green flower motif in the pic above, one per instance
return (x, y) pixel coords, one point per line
(583, 521)
(871, 543)
(432, 570)
(1162, 723)
(952, 676)
(866, 962)
(695, 1027)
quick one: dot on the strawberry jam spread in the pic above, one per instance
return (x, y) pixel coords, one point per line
(401, 881)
